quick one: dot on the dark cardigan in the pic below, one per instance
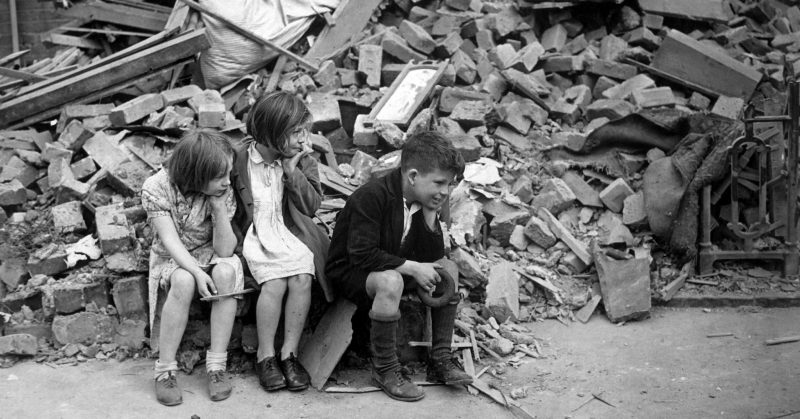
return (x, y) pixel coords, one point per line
(302, 196)
(369, 230)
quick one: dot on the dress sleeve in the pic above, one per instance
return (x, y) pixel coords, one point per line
(156, 197)
(230, 202)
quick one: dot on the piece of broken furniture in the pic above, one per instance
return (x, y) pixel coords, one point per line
(762, 190)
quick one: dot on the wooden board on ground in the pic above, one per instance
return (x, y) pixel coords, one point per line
(682, 56)
(323, 350)
(585, 313)
(351, 16)
(86, 83)
(707, 10)
(120, 15)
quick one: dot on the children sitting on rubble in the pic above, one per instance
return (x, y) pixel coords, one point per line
(278, 191)
(386, 239)
(190, 205)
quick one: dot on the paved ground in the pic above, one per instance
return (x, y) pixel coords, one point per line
(664, 367)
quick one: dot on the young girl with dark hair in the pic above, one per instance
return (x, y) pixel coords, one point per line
(190, 205)
(278, 191)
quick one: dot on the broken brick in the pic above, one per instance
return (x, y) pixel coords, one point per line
(85, 328)
(503, 224)
(364, 132)
(728, 107)
(614, 194)
(369, 63)
(113, 230)
(180, 94)
(627, 87)
(611, 69)
(105, 152)
(470, 113)
(68, 217)
(70, 112)
(554, 38)
(417, 37)
(18, 344)
(12, 193)
(325, 115)
(502, 292)
(451, 96)
(136, 109)
(17, 169)
(467, 145)
(48, 260)
(555, 196)
(609, 108)
(130, 297)
(651, 98)
(71, 297)
(74, 135)
(394, 45)
(584, 193)
(539, 233)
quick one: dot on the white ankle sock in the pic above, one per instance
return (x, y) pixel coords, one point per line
(162, 368)
(215, 361)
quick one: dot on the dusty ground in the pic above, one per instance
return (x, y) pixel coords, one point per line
(663, 367)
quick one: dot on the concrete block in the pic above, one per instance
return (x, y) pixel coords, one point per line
(563, 64)
(584, 193)
(136, 109)
(468, 268)
(180, 94)
(125, 261)
(651, 98)
(603, 83)
(502, 225)
(625, 287)
(728, 107)
(555, 196)
(627, 87)
(417, 37)
(54, 151)
(130, 297)
(470, 113)
(83, 168)
(451, 96)
(369, 63)
(347, 77)
(74, 135)
(495, 84)
(104, 151)
(634, 213)
(512, 138)
(466, 69)
(699, 102)
(364, 134)
(325, 114)
(71, 297)
(70, 112)
(612, 47)
(13, 273)
(71, 190)
(609, 108)
(469, 146)
(513, 115)
(18, 344)
(502, 292)
(447, 46)
(113, 230)
(129, 176)
(130, 333)
(653, 22)
(554, 38)
(17, 169)
(611, 69)
(643, 37)
(86, 328)
(397, 47)
(48, 260)
(518, 239)
(613, 231)
(613, 196)
(503, 56)
(485, 39)
(539, 233)
(522, 188)
(528, 57)
(12, 193)
(68, 217)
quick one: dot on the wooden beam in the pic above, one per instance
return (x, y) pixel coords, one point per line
(120, 15)
(253, 36)
(13, 56)
(55, 111)
(351, 17)
(71, 41)
(21, 75)
(48, 74)
(105, 31)
(87, 82)
(706, 10)
(178, 16)
(133, 49)
(12, 11)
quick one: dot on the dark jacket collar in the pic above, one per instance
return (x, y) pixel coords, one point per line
(394, 183)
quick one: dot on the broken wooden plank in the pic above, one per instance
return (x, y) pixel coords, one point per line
(253, 36)
(484, 388)
(706, 10)
(778, 341)
(686, 58)
(20, 75)
(330, 178)
(469, 368)
(13, 56)
(322, 351)
(275, 76)
(719, 335)
(70, 41)
(105, 31)
(89, 82)
(119, 14)
(585, 313)
(672, 288)
(351, 16)
(371, 389)
(12, 12)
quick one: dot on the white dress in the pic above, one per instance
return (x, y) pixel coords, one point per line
(271, 250)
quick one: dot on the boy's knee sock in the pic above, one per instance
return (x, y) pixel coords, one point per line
(162, 368)
(215, 361)
(383, 341)
(442, 322)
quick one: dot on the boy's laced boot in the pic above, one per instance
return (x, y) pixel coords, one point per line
(442, 368)
(297, 378)
(219, 388)
(386, 371)
(270, 375)
(168, 392)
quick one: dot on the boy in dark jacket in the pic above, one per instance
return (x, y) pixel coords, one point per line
(386, 239)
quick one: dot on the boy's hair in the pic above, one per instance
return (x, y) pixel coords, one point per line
(274, 116)
(201, 156)
(427, 151)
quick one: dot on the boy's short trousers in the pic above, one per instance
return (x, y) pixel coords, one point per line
(353, 286)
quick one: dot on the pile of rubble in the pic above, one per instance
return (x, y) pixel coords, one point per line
(535, 236)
